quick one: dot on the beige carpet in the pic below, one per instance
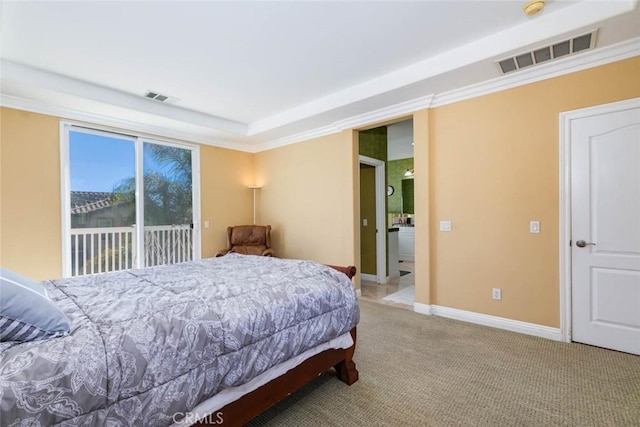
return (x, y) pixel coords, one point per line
(419, 370)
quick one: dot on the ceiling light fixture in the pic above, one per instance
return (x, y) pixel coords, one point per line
(532, 7)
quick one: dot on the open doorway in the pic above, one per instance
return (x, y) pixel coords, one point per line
(393, 146)
(400, 205)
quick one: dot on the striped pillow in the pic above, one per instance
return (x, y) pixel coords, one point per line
(26, 312)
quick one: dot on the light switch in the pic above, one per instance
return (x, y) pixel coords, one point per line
(206, 224)
(365, 222)
(445, 225)
(534, 227)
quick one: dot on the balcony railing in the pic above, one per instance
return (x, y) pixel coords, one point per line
(167, 244)
(100, 250)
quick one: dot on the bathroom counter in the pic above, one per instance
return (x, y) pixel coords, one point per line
(393, 250)
(406, 243)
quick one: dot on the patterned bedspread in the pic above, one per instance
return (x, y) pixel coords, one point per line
(146, 344)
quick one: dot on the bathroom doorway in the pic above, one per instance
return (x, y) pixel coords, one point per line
(397, 151)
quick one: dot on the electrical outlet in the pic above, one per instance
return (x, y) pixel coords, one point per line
(365, 223)
(497, 294)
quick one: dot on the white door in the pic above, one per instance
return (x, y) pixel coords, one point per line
(378, 220)
(605, 229)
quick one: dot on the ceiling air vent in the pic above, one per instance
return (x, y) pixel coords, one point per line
(548, 53)
(159, 97)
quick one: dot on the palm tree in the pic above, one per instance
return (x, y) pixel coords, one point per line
(167, 187)
(178, 160)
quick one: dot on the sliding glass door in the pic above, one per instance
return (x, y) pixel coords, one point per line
(101, 211)
(128, 202)
(168, 204)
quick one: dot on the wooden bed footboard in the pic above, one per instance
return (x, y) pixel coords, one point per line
(350, 271)
(250, 405)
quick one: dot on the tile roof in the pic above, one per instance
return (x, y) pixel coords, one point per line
(89, 201)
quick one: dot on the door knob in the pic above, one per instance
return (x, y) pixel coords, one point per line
(582, 244)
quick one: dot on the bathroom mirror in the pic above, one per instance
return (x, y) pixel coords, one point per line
(407, 196)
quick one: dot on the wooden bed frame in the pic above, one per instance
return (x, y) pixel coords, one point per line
(250, 405)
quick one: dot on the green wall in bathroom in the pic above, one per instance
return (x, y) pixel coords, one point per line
(395, 174)
(373, 143)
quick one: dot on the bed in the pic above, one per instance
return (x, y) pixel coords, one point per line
(216, 340)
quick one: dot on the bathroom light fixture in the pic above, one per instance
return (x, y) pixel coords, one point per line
(408, 172)
(254, 188)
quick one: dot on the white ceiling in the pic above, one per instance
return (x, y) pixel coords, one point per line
(247, 74)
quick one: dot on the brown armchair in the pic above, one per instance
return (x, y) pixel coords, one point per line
(248, 240)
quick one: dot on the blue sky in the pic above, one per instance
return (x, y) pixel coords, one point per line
(99, 163)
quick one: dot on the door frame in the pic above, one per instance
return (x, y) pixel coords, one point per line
(566, 119)
(381, 220)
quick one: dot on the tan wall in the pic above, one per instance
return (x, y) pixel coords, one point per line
(30, 227)
(30, 212)
(226, 199)
(307, 196)
(494, 168)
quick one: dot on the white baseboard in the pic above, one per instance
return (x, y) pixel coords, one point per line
(418, 307)
(496, 322)
(369, 277)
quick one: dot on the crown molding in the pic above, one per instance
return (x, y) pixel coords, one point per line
(298, 137)
(381, 114)
(616, 52)
(386, 113)
(18, 103)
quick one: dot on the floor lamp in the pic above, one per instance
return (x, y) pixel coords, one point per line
(254, 188)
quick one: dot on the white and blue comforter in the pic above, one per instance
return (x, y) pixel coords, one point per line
(147, 344)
